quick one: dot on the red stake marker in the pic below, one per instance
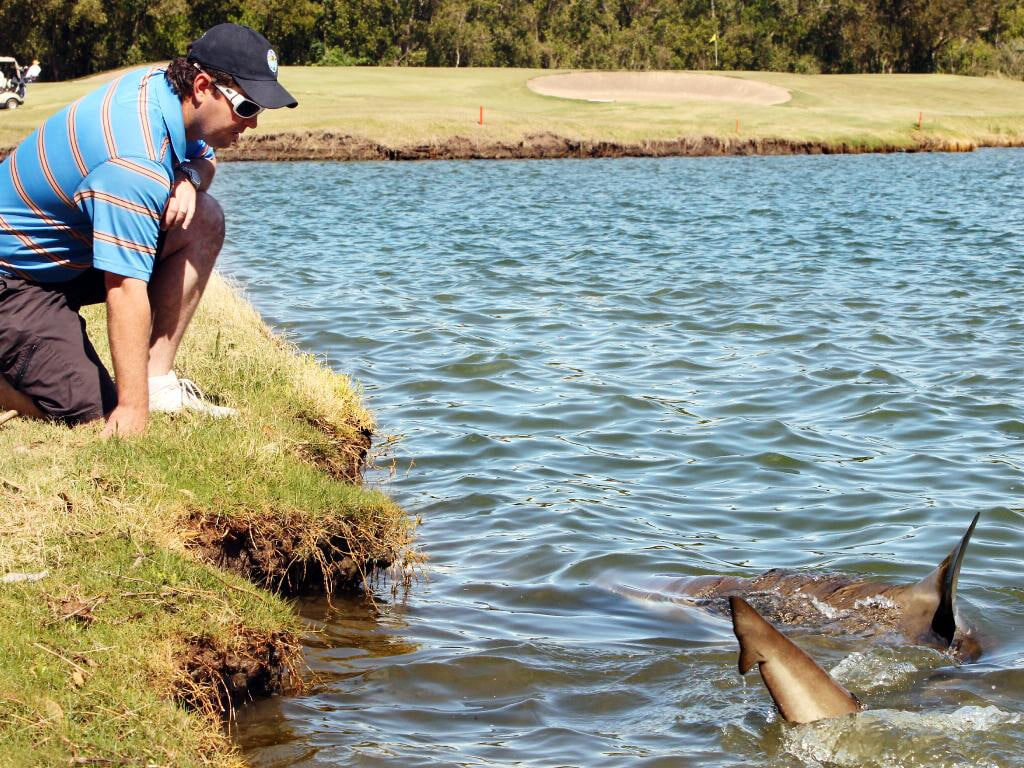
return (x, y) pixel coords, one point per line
(481, 115)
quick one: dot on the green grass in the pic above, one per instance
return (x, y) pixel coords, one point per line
(98, 687)
(400, 106)
(110, 524)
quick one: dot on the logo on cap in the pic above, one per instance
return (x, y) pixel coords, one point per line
(272, 61)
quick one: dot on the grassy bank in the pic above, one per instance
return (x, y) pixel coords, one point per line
(144, 578)
(404, 107)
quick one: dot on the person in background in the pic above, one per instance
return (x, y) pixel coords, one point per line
(108, 202)
(32, 72)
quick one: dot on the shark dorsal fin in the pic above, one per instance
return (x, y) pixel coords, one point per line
(938, 589)
(802, 690)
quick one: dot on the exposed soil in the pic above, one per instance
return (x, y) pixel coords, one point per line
(342, 454)
(285, 553)
(282, 553)
(312, 145)
(326, 145)
(215, 679)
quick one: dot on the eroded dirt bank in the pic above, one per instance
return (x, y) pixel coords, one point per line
(326, 145)
(334, 146)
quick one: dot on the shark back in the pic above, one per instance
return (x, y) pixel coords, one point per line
(802, 690)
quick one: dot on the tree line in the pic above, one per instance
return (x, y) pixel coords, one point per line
(78, 37)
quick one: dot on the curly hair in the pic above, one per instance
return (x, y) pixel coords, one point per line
(181, 74)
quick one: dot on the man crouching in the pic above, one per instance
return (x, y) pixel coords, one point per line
(108, 201)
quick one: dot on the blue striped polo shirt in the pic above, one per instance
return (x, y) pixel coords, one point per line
(88, 188)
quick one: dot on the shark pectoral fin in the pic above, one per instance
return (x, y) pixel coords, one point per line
(802, 690)
(936, 592)
(748, 659)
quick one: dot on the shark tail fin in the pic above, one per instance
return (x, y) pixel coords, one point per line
(940, 586)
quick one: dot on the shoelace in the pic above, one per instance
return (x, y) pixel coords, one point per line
(189, 387)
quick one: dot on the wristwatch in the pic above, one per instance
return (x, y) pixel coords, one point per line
(190, 173)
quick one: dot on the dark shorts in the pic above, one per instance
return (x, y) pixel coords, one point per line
(45, 352)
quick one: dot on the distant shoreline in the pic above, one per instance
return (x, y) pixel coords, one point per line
(327, 146)
(337, 147)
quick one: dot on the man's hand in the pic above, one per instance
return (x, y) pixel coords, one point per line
(181, 205)
(125, 421)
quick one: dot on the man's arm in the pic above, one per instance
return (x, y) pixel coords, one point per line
(128, 325)
(181, 205)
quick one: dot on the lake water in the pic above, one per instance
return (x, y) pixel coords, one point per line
(608, 372)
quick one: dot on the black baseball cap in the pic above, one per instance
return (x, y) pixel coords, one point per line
(248, 57)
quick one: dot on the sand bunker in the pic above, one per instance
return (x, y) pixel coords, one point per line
(657, 86)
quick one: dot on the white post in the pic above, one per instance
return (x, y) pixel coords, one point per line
(715, 36)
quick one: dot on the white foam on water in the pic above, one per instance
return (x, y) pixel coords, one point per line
(826, 610)
(898, 739)
(879, 668)
(964, 720)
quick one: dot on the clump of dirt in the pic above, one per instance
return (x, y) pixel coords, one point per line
(214, 679)
(287, 552)
(75, 608)
(343, 454)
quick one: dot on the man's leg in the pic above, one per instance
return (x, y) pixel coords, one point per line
(48, 367)
(10, 398)
(182, 270)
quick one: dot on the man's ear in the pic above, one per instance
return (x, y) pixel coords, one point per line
(202, 88)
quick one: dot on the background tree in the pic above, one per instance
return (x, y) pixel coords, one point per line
(78, 37)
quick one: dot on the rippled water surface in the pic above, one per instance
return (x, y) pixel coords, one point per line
(604, 373)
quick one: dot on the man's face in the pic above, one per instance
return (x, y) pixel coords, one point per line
(219, 125)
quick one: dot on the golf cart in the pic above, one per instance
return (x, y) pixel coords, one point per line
(12, 86)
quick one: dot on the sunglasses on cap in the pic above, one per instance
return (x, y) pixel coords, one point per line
(241, 106)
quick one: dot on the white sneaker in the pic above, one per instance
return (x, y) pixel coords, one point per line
(171, 395)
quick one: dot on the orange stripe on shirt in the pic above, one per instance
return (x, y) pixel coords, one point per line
(39, 212)
(41, 151)
(147, 172)
(108, 128)
(73, 141)
(106, 197)
(36, 248)
(144, 114)
(130, 245)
